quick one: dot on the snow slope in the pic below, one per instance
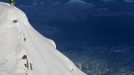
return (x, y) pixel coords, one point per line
(24, 51)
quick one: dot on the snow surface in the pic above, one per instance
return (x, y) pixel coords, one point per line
(24, 51)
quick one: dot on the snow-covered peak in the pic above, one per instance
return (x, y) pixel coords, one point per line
(24, 51)
(9, 14)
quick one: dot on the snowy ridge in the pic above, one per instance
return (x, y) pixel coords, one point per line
(24, 51)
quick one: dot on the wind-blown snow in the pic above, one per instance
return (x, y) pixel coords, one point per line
(24, 51)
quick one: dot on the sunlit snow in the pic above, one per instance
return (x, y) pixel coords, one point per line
(24, 51)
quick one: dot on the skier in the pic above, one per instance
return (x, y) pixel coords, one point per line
(12, 2)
